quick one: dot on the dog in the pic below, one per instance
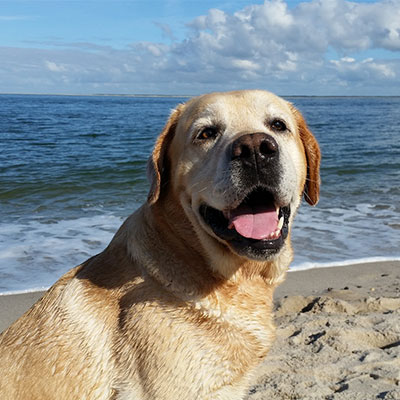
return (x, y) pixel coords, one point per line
(180, 303)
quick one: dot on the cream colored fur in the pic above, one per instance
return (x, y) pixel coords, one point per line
(168, 310)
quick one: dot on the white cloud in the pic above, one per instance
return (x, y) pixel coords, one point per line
(385, 70)
(53, 67)
(271, 42)
(288, 50)
(349, 70)
(246, 65)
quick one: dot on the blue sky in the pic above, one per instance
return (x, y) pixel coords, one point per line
(110, 22)
(329, 47)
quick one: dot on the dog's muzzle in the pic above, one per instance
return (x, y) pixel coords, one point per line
(256, 226)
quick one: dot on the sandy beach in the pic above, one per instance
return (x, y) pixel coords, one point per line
(338, 334)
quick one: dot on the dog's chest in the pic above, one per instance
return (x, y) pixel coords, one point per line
(209, 344)
(245, 319)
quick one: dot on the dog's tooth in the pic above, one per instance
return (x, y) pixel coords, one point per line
(280, 223)
(230, 226)
(274, 235)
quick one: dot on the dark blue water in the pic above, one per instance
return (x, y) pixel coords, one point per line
(72, 168)
(59, 153)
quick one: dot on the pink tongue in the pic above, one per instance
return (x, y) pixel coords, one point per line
(254, 222)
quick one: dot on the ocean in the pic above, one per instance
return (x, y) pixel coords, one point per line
(72, 168)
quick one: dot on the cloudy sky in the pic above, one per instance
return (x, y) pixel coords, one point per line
(315, 47)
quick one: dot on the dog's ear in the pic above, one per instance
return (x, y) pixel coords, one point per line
(313, 156)
(158, 164)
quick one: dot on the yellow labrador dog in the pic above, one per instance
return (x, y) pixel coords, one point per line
(179, 305)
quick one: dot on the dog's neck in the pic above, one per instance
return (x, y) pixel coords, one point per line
(189, 272)
(162, 246)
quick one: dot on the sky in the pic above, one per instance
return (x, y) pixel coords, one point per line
(188, 47)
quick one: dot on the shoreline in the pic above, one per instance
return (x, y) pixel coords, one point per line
(293, 268)
(363, 276)
(366, 277)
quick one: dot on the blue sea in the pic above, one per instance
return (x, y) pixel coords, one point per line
(72, 168)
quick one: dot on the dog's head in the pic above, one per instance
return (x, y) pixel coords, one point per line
(238, 163)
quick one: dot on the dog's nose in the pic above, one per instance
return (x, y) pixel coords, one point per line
(254, 146)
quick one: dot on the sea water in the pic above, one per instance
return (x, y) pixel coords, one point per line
(72, 168)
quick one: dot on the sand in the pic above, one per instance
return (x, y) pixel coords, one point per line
(338, 334)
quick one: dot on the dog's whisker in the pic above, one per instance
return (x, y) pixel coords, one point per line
(307, 196)
(311, 180)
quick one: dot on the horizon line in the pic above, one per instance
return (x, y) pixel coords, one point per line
(178, 95)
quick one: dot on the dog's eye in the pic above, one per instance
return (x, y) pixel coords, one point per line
(278, 125)
(210, 132)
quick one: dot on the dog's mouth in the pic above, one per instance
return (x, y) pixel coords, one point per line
(256, 228)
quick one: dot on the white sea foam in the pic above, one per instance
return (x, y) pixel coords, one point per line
(27, 291)
(310, 265)
(35, 254)
(326, 236)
